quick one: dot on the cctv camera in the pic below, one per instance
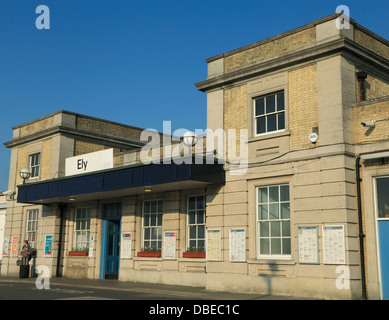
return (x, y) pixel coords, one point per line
(369, 124)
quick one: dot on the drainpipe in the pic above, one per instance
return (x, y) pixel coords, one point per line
(362, 76)
(62, 208)
(361, 234)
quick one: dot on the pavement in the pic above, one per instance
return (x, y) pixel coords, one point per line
(167, 291)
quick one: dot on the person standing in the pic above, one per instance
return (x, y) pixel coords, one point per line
(26, 253)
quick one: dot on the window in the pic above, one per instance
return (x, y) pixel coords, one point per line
(82, 227)
(196, 222)
(269, 113)
(35, 161)
(32, 227)
(382, 198)
(273, 221)
(152, 224)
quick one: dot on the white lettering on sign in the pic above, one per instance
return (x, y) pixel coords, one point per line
(89, 162)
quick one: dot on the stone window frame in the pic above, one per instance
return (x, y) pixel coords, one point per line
(261, 86)
(156, 226)
(196, 224)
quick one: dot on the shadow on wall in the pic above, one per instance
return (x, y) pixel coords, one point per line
(268, 276)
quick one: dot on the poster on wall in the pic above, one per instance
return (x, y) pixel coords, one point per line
(91, 246)
(237, 245)
(214, 245)
(334, 249)
(48, 246)
(307, 244)
(5, 247)
(169, 245)
(14, 246)
(126, 246)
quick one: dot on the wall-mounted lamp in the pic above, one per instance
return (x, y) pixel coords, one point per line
(190, 139)
(148, 189)
(25, 174)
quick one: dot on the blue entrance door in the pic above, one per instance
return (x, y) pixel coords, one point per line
(383, 236)
(382, 194)
(112, 249)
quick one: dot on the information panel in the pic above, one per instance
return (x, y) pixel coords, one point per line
(214, 245)
(237, 245)
(307, 244)
(334, 249)
(126, 246)
(169, 245)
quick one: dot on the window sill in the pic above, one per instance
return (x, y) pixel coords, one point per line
(270, 135)
(271, 261)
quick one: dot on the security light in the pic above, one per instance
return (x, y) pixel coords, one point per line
(369, 124)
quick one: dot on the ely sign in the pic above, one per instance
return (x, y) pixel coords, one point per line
(89, 162)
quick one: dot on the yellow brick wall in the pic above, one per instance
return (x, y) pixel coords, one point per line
(270, 49)
(82, 147)
(107, 128)
(368, 112)
(370, 43)
(37, 126)
(375, 86)
(303, 106)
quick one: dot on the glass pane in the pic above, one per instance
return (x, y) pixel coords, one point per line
(200, 217)
(192, 243)
(264, 246)
(160, 206)
(275, 229)
(285, 210)
(284, 191)
(154, 234)
(147, 207)
(201, 244)
(276, 246)
(286, 228)
(271, 123)
(261, 125)
(147, 234)
(201, 232)
(159, 233)
(273, 194)
(159, 219)
(153, 207)
(280, 101)
(263, 213)
(192, 232)
(286, 246)
(264, 229)
(281, 121)
(259, 106)
(200, 203)
(153, 220)
(192, 203)
(154, 244)
(262, 195)
(383, 197)
(78, 225)
(270, 103)
(273, 211)
(191, 217)
(110, 244)
(146, 220)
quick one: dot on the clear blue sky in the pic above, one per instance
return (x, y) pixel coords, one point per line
(135, 61)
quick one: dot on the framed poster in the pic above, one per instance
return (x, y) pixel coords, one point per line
(5, 247)
(48, 246)
(214, 245)
(14, 246)
(126, 245)
(169, 245)
(237, 241)
(307, 244)
(334, 248)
